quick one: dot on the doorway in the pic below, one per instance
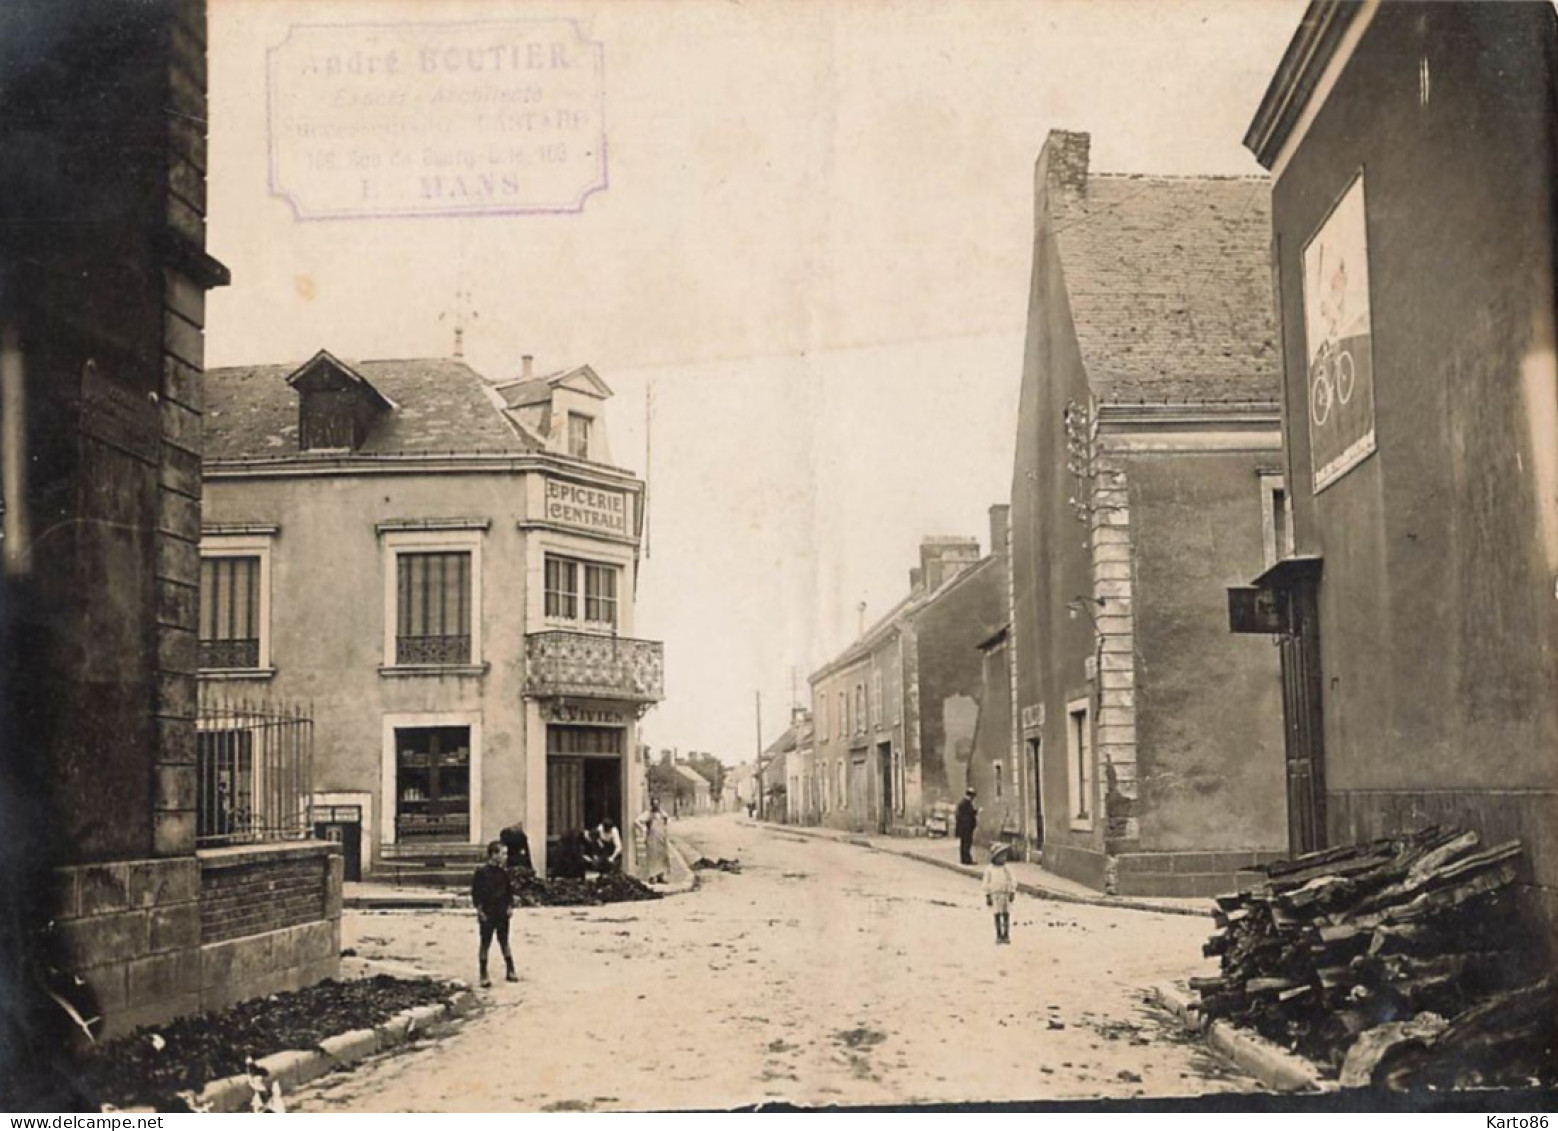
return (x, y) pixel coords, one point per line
(884, 763)
(1304, 734)
(342, 824)
(583, 780)
(1035, 794)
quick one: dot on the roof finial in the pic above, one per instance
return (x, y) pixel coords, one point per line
(461, 311)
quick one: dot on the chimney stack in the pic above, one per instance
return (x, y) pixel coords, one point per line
(943, 558)
(1062, 170)
(861, 610)
(527, 366)
(916, 579)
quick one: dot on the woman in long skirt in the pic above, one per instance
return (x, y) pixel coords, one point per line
(657, 852)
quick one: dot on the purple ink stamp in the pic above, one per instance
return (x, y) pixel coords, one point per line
(457, 119)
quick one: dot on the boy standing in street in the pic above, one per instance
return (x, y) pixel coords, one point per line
(1000, 887)
(493, 894)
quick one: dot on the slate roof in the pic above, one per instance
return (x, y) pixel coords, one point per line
(537, 390)
(442, 405)
(1169, 280)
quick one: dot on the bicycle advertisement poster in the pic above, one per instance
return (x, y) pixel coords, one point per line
(1338, 333)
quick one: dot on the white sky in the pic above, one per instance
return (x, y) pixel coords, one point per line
(815, 245)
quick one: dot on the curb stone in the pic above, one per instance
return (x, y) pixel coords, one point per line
(1273, 1066)
(295, 1067)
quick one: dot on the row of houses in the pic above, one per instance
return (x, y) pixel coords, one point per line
(1280, 565)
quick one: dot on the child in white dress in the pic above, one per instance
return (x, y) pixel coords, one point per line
(1000, 887)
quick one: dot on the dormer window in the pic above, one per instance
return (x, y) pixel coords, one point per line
(579, 435)
(336, 405)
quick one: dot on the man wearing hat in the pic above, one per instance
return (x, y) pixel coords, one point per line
(967, 820)
(1000, 886)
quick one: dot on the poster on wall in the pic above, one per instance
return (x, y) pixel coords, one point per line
(1338, 337)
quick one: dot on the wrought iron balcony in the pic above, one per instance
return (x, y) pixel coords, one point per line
(580, 664)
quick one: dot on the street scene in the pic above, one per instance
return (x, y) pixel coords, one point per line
(624, 557)
(821, 975)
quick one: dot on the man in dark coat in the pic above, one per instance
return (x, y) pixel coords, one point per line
(967, 821)
(492, 892)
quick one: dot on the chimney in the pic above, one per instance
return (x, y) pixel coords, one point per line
(942, 559)
(1000, 518)
(1062, 169)
(527, 366)
(860, 609)
(916, 579)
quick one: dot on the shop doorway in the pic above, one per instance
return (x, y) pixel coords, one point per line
(583, 782)
(432, 785)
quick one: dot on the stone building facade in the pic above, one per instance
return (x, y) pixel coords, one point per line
(446, 568)
(1148, 451)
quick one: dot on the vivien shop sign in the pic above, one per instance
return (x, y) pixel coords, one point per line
(587, 508)
(580, 715)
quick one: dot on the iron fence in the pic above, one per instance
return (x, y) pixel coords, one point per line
(254, 772)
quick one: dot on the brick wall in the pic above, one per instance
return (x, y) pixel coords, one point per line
(254, 889)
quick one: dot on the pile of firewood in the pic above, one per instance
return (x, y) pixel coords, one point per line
(1403, 963)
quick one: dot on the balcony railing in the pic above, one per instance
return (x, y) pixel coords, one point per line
(229, 654)
(598, 667)
(432, 649)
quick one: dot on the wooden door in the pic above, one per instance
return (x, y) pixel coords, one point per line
(1304, 740)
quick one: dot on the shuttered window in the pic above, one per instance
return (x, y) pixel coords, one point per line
(230, 612)
(433, 619)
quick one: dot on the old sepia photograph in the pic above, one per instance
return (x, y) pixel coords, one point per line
(797, 555)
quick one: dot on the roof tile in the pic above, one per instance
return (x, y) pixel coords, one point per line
(1169, 280)
(441, 406)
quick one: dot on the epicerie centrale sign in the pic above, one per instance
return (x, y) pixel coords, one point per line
(436, 119)
(586, 508)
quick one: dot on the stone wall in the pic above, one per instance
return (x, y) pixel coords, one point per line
(156, 939)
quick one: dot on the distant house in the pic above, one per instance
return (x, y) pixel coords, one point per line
(897, 711)
(964, 720)
(692, 795)
(1148, 477)
(445, 568)
(1414, 204)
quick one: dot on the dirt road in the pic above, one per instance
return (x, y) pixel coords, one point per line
(822, 974)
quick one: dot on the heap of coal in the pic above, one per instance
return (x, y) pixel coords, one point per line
(1402, 963)
(531, 890)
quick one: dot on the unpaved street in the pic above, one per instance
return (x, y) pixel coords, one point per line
(822, 974)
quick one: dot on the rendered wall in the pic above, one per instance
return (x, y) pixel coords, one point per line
(1438, 607)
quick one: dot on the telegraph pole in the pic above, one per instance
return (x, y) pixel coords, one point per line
(758, 761)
